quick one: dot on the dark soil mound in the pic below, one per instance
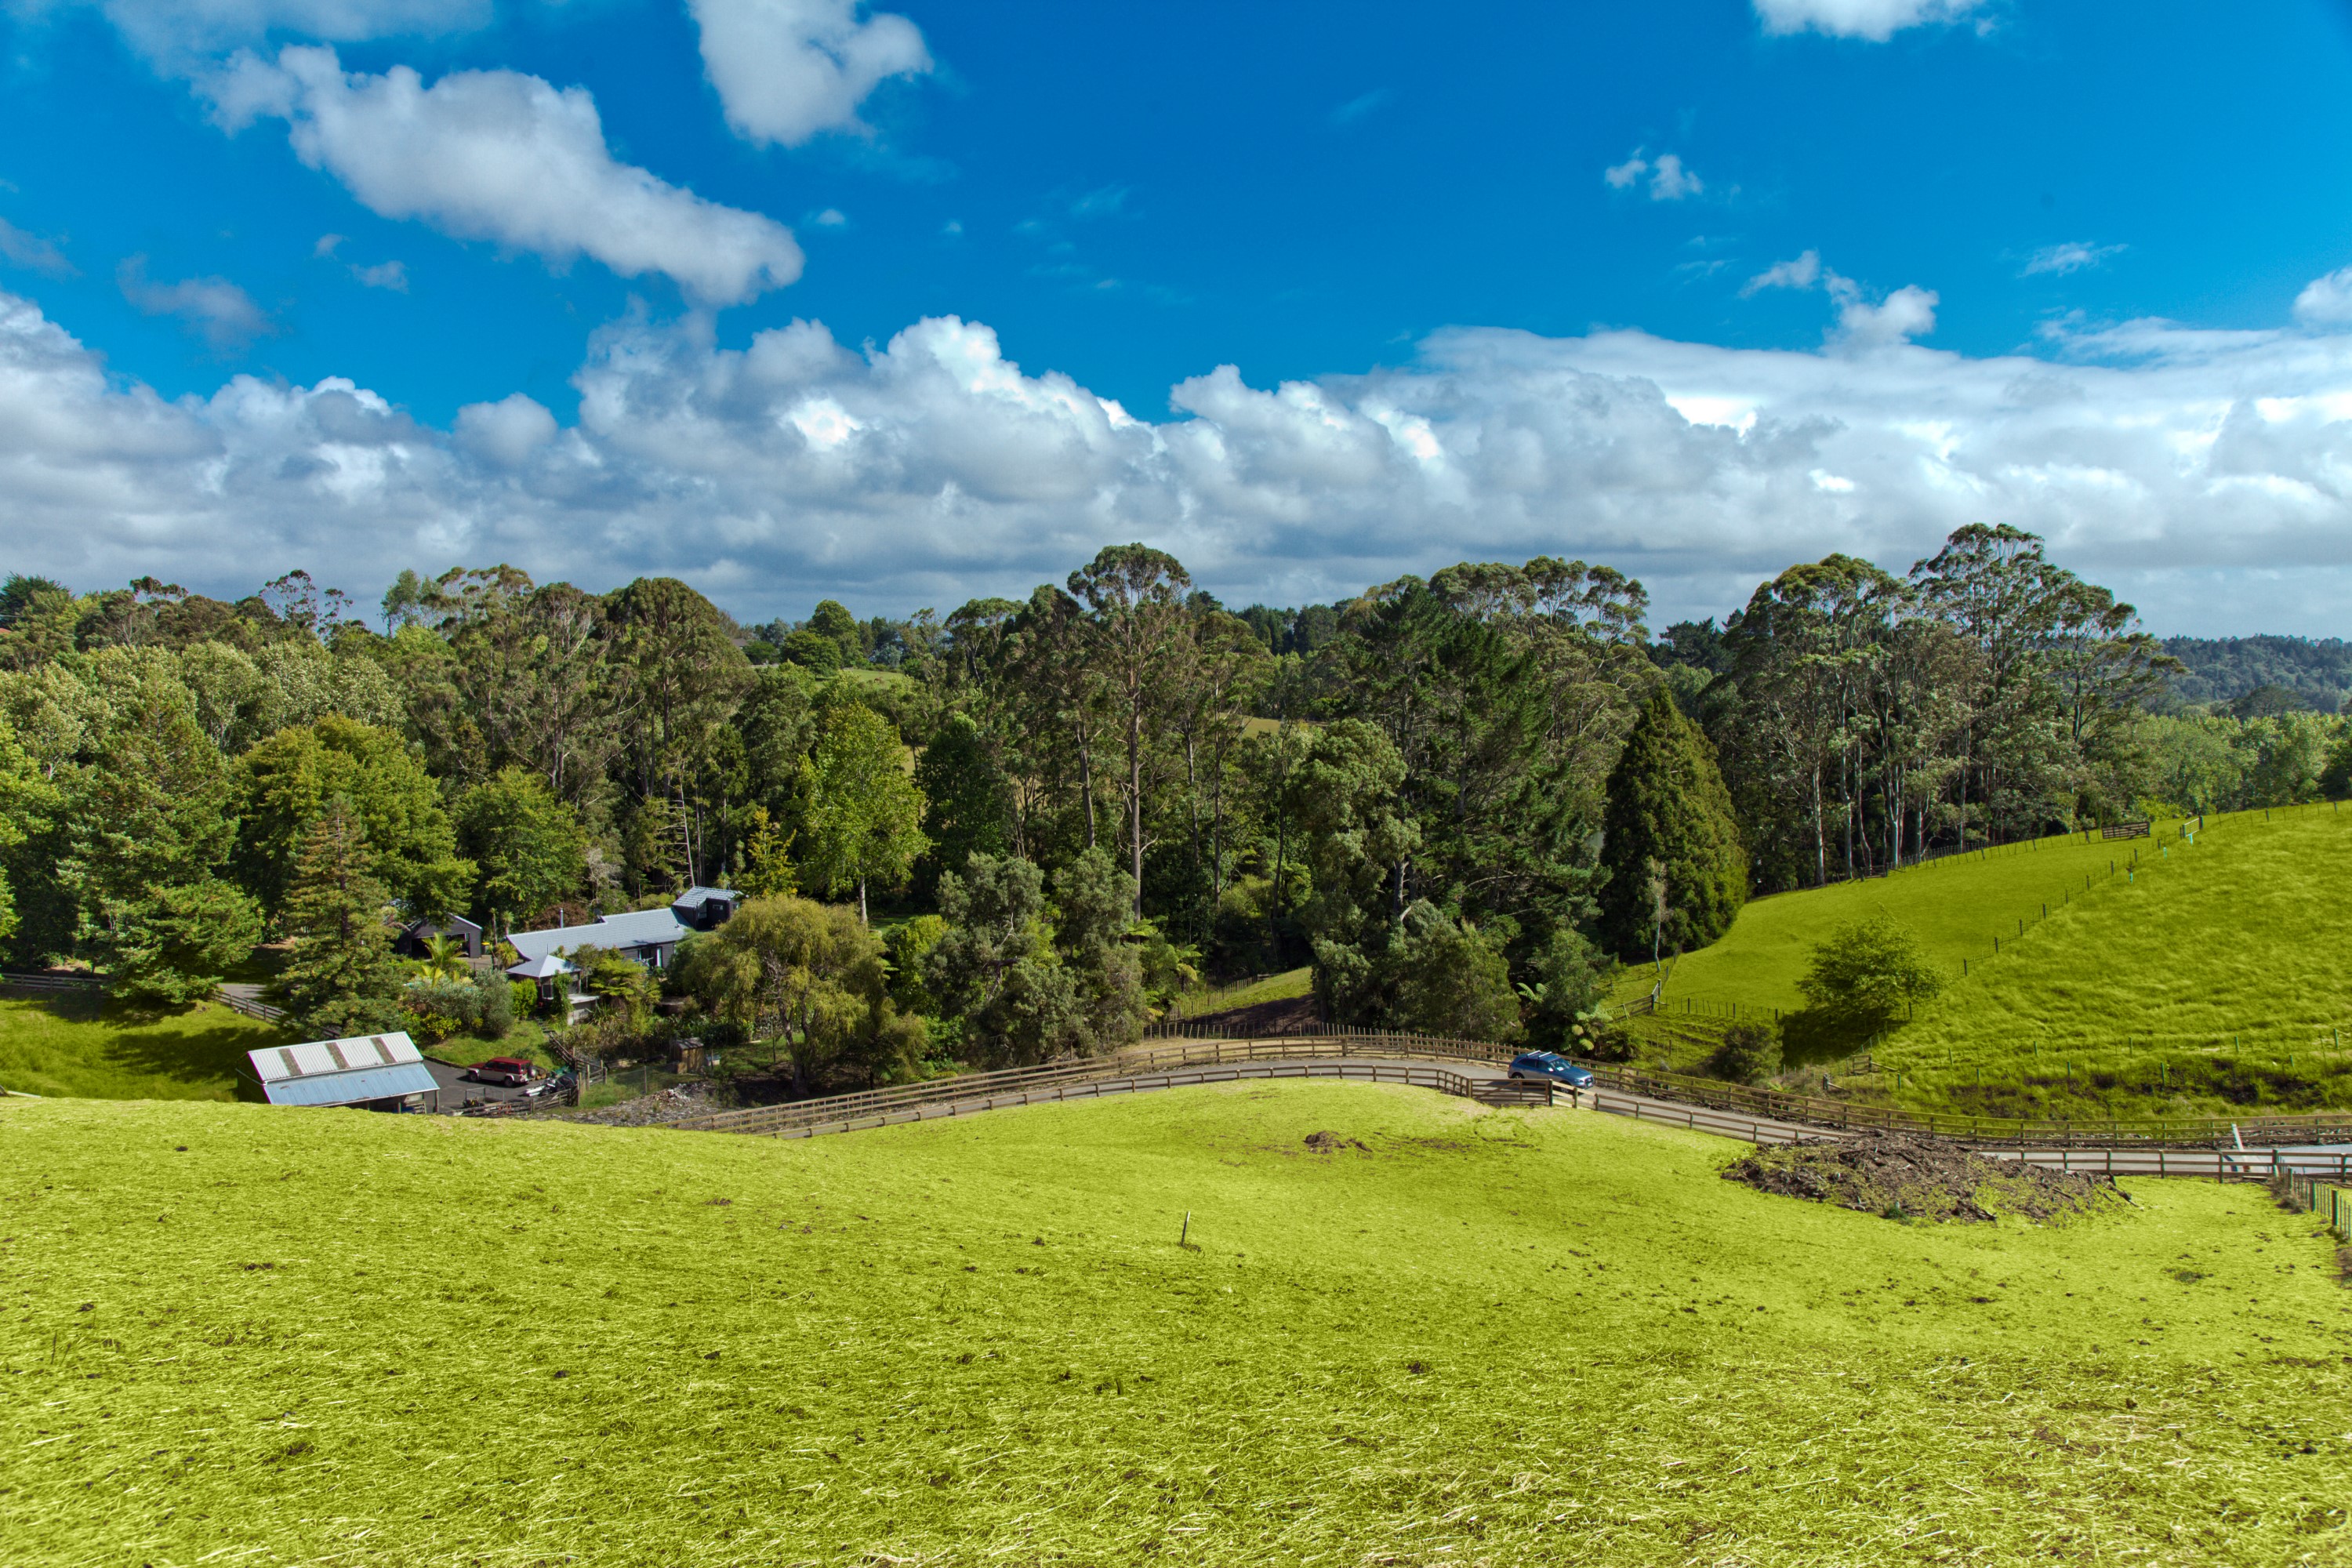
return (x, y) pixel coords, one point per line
(1333, 1142)
(1904, 1176)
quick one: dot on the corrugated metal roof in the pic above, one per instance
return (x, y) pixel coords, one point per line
(546, 968)
(275, 1063)
(351, 1088)
(695, 898)
(639, 928)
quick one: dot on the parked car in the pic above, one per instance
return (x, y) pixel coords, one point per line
(512, 1070)
(1548, 1064)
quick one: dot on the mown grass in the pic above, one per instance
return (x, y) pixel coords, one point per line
(1282, 987)
(1484, 1337)
(82, 1044)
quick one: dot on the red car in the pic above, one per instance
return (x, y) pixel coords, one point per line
(502, 1069)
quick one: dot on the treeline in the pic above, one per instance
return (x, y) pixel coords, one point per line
(1461, 799)
(2260, 677)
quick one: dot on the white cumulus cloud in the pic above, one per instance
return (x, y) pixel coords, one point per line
(1669, 181)
(787, 70)
(1878, 20)
(2206, 475)
(1862, 322)
(502, 156)
(2327, 301)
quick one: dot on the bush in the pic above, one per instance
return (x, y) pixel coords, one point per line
(436, 1010)
(1597, 1039)
(495, 1019)
(1451, 980)
(522, 998)
(1749, 1052)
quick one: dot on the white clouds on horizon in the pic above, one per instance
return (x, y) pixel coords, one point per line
(499, 155)
(2181, 466)
(788, 71)
(1669, 180)
(1875, 20)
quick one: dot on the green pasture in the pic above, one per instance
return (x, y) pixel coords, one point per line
(1958, 906)
(238, 1333)
(84, 1045)
(2219, 971)
(2194, 977)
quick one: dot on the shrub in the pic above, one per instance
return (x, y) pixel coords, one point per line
(1750, 1052)
(1869, 972)
(1570, 979)
(1597, 1039)
(494, 1018)
(522, 998)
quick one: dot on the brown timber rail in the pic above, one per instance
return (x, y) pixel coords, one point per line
(1706, 1104)
(819, 1116)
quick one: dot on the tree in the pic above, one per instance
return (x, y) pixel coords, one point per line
(1452, 980)
(526, 847)
(284, 786)
(1868, 974)
(1668, 805)
(996, 967)
(967, 802)
(1569, 980)
(678, 676)
(832, 620)
(862, 814)
(1094, 905)
(811, 980)
(1137, 620)
(1355, 839)
(340, 979)
(151, 830)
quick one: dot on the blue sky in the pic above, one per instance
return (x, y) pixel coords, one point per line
(1695, 288)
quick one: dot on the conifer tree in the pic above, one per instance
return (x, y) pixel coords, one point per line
(342, 980)
(1669, 822)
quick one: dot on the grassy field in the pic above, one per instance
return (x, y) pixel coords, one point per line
(76, 1044)
(2204, 976)
(243, 1334)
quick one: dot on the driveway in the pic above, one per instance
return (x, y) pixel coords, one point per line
(456, 1091)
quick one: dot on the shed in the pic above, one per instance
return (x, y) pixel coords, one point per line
(382, 1072)
(410, 943)
(705, 908)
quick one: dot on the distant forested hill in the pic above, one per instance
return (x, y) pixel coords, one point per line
(2223, 669)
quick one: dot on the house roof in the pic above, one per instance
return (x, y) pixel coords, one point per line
(546, 968)
(638, 928)
(341, 1072)
(449, 927)
(695, 898)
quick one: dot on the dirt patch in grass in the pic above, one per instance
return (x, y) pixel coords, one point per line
(1287, 1014)
(1328, 1142)
(1907, 1177)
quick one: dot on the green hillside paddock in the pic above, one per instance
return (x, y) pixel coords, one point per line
(240, 1335)
(2206, 977)
(83, 1045)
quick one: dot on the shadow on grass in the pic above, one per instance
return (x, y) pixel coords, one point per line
(190, 1045)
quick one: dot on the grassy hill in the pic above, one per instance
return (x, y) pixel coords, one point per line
(2208, 974)
(1503, 1337)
